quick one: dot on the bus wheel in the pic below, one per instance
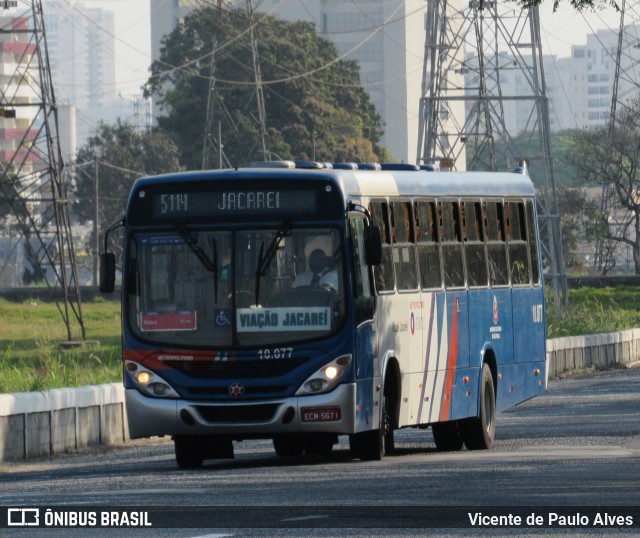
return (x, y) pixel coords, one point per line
(447, 436)
(374, 444)
(478, 432)
(189, 452)
(288, 445)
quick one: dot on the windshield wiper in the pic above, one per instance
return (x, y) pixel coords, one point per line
(209, 264)
(264, 261)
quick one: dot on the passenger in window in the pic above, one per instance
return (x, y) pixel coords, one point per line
(320, 272)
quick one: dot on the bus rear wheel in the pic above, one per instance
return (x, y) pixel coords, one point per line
(479, 432)
(447, 436)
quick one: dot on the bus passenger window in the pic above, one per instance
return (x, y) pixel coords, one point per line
(452, 245)
(496, 244)
(384, 276)
(475, 258)
(518, 249)
(404, 248)
(533, 243)
(428, 245)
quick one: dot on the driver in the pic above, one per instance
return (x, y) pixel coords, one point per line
(319, 273)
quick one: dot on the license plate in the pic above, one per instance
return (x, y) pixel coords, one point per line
(321, 414)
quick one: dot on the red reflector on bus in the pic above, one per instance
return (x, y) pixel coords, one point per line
(321, 414)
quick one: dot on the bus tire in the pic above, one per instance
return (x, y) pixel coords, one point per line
(288, 445)
(189, 452)
(447, 436)
(478, 432)
(372, 445)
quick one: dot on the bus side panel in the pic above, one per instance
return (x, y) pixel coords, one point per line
(438, 395)
(459, 303)
(510, 385)
(529, 345)
(398, 339)
(528, 325)
(535, 379)
(422, 387)
(455, 399)
(491, 323)
(365, 372)
(465, 403)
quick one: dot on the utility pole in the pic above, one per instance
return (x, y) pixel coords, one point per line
(31, 174)
(474, 54)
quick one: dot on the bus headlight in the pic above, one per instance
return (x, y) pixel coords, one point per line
(148, 382)
(326, 378)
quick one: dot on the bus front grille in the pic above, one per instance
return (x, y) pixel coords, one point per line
(237, 413)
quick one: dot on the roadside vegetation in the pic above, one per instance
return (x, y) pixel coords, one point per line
(31, 358)
(595, 310)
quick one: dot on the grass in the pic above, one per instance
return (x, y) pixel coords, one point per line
(595, 310)
(30, 334)
(30, 357)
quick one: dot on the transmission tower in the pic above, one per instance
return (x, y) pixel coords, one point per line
(625, 87)
(262, 114)
(482, 68)
(31, 179)
(212, 142)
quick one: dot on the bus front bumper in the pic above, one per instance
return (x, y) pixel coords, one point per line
(333, 412)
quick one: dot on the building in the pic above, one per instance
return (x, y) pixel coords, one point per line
(18, 118)
(386, 38)
(80, 40)
(584, 83)
(16, 114)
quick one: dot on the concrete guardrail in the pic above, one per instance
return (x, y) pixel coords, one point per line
(37, 424)
(42, 424)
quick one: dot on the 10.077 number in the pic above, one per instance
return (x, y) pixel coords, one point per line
(275, 353)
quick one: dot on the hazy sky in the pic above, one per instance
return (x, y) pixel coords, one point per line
(559, 31)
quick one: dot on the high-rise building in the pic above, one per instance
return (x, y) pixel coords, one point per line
(80, 40)
(583, 83)
(386, 38)
(17, 89)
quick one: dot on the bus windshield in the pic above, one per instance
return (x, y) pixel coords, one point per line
(211, 288)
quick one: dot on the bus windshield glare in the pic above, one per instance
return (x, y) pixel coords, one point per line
(210, 288)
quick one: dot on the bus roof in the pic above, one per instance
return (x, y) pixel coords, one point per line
(372, 183)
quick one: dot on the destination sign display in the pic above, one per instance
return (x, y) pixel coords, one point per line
(233, 202)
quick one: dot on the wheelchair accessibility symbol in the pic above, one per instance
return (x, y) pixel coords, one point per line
(223, 317)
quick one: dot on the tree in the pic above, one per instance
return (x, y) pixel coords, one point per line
(118, 154)
(612, 159)
(580, 226)
(578, 5)
(314, 102)
(524, 145)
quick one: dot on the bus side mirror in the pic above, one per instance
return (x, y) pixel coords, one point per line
(107, 272)
(373, 246)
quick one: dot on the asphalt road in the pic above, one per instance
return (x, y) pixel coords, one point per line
(572, 453)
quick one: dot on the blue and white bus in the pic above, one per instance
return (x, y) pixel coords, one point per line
(300, 305)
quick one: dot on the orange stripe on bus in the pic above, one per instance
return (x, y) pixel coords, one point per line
(451, 366)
